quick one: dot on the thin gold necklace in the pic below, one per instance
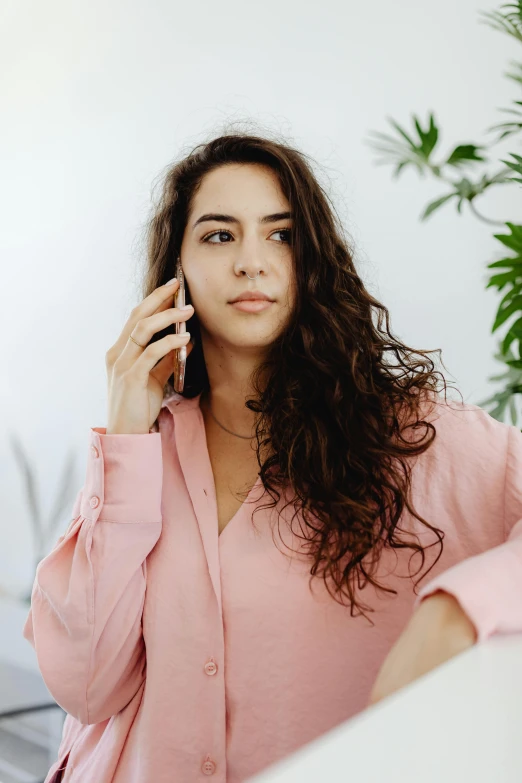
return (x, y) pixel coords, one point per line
(245, 437)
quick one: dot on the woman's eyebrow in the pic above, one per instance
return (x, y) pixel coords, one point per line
(273, 218)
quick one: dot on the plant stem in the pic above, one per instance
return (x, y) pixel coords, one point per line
(481, 217)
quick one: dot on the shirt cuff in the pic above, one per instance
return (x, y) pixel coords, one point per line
(488, 587)
(124, 477)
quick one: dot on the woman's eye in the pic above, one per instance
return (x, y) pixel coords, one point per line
(286, 231)
(215, 233)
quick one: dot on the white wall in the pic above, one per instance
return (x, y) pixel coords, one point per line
(99, 97)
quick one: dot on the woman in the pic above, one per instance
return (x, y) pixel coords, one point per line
(207, 611)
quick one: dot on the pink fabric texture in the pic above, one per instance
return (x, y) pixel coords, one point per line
(181, 655)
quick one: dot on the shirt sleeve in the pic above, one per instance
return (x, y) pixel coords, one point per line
(488, 586)
(85, 620)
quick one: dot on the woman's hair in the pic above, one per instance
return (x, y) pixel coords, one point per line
(333, 411)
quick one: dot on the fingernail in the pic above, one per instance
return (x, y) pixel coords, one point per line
(171, 281)
(186, 307)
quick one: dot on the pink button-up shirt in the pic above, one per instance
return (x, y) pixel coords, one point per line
(180, 654)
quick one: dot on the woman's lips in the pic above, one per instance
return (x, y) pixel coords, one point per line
(252, 305)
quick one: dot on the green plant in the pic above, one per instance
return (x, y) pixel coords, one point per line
(417, 149)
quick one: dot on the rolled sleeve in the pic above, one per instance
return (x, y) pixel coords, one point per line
(488, 586)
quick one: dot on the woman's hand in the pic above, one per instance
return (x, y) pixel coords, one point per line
(137, 370)
(437, 631)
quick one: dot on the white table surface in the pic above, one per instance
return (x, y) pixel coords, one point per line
(460, 723)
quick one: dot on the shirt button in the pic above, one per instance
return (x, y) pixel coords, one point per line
(94, 502)
(95, 451)
(210, 667)
(208, 767)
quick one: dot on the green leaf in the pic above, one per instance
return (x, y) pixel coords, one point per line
(427, 138)
(506, 277)
(508, 296)
(517, 77)
(516, 112)
(509, 23)
(498, 412)
(508, 340)
(515, 166)
(513, 410)
(517, 328)
(395, 150)
(514, 333)
(465, 153)
(506, 312)
(513, 240)
(435, 205)
(499, 177)
(495, 397)
(510, 129)
(512, 261)
(399, 168)
(402, 132)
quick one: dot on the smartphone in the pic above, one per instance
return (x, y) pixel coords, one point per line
(181, 353)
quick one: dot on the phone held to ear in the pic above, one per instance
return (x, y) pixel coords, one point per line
(181, 353)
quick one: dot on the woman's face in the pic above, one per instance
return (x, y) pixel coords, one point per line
(216, 255)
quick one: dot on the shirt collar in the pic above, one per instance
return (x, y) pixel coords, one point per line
(177, 403)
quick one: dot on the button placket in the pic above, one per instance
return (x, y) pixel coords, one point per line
(94, 501)
(209, 766)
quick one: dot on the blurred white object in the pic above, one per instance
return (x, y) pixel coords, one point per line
(22, 695)
(14, 648)
(460, 722)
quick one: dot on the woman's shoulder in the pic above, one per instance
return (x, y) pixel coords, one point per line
(460, 420)
(466, 434)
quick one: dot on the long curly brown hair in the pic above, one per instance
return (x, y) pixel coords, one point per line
(335, 410)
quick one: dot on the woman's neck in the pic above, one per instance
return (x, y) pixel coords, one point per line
(230, 412)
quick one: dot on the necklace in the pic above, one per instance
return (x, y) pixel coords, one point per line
(245, 437)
